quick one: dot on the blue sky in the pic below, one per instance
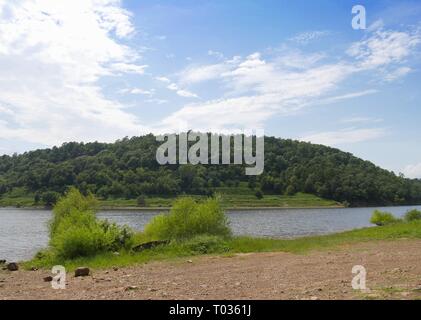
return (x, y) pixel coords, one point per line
(101, 70)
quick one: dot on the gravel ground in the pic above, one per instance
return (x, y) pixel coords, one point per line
(393, 272)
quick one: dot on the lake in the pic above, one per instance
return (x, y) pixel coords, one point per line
(24, 231)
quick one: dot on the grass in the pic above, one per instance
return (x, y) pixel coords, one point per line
(177, 250)
(234, 197)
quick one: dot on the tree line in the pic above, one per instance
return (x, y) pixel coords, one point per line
(128, 169)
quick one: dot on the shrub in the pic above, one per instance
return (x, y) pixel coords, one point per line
(73, 201)
(76, 232)
(205, 244)
(188, 219)
(380, 218)
(50, 198)
(413, 215)
(141, 201)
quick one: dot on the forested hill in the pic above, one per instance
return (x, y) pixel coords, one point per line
(128, 169)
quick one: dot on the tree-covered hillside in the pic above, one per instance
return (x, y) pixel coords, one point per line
(128, 169)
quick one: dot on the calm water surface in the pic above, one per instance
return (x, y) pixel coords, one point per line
(24, 231)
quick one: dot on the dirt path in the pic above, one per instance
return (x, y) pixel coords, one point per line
(393, 272)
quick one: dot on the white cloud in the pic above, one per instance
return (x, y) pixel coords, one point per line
(256, 88)
(51, 55)
(138, 91)
(308, 36)
(347, 136)
(362, 120)
(163, 79)
(128, 68)
(181, 92)
(384, 47)
(413, 171)
(397, 73)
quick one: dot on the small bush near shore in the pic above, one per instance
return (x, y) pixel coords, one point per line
(413, 215)
(381, 218)
(205, 244)
(76, 232)
(188, 219)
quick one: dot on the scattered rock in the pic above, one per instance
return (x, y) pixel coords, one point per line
(150, 245)
(314, 298)
(152, 289)
(34, 269)
(130, 288)
(115, 269)
(12, 266)
(48, 279)
(82, 272)
(189, 261)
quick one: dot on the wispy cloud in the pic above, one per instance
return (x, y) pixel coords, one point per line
(309, 36)
(413, 171)
(346, 136)
(52, 54)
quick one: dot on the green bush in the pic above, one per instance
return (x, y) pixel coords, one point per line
(205, 244)
(76, 232)
(50, 198)
(187, 219)
(380, 218)
(413, 215)
(72, 202)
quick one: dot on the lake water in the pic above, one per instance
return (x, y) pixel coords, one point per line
(24, 231)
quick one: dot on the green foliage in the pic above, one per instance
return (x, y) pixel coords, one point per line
(380, 218)
(205, 244)
(187, 219)
(72, 202)
(76, 232)
(128, 168)
(259, 194)
(50, 198)
(141, 201)
(413, 215)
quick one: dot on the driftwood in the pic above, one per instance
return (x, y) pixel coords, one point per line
(150, 245)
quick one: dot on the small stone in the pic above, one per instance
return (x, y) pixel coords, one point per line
(238, 284)
(152, 289)
(115, 269)
(34, 269)
(189, 261)
(116, 253)
(12, 266)
(48, 279)
(82, 272)
(130, 288)
(314, 298)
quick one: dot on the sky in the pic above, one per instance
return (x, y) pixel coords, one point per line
(100, 70)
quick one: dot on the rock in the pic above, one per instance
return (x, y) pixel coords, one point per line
(82, 272)
(130, 288)
(116, 253)
(115, 269)
(12, 266)
(314, 298)
(189, 261)
(48, 279)
(34, 269)
(150, 245)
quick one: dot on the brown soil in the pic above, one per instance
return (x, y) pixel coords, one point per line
(393, 272)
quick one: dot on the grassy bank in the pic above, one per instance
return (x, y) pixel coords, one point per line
(196, 247)
(239, 197)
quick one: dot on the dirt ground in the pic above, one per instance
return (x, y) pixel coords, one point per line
(393, 272)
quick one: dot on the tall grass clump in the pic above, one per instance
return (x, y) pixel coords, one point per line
(381, 218)
(188, 219)
(76, 232)
(412, 215)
